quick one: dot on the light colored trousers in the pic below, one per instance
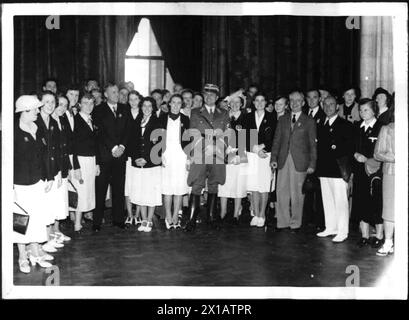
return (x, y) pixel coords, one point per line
(289, 190)
(336, 208)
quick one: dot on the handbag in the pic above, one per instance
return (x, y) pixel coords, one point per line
(72, 197)
(345, 168)
(20, 221)
(311, 183)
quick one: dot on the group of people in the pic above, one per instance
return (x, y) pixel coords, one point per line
(166, 149)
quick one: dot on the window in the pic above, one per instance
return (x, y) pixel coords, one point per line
(144, 64)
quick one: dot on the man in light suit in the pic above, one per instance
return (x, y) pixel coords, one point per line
(294, 154)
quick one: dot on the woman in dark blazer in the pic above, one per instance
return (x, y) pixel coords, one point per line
(84, 148)
(29, 183)
(145, 187)
(367, 185)
(260, 126)
(49, 133)
(134, 98)
(174, 159)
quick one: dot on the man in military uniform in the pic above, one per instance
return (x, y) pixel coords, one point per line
(209, 123)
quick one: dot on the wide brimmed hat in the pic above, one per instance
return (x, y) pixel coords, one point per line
(26, 102)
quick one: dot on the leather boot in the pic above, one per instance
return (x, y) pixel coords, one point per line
(212, 216)
(194, 209)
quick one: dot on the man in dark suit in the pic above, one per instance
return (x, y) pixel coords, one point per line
(294, 154)
(335, 149)
(111, 121)
(210, 122)
(313, 209)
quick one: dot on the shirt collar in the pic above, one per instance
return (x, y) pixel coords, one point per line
(235, 114)
(297, 115)
(208, 108)
(314, 111)
(85, 116)
(112, 105)
(370, 124)
(331, 120)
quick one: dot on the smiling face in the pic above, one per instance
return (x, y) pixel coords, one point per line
(296, 102)
(158, 98)
(197, 101)
(30, 115)
(87, 105)
(366, 112)
(330, 107)
(50, 86)
(112, 95)
(147, 108)
(48, 102)
(313, 99)
(235, 104)
(280, 105)
(61, 107)
(349, 97)
(381, 100)
(72, 96)
(187, 99)
(260, 103)
(123, 96)
(134, 100)
(210, 98)
(175, 105)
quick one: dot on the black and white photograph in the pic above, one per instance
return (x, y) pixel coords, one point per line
(204, 150)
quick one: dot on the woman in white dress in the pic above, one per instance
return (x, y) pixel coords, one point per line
(174, 160)
(145, 187)
(260, 126)
(236, 170)
(29, 183)
(84, 146)
(134, 98)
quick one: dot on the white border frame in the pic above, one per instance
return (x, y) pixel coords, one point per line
(393, 284)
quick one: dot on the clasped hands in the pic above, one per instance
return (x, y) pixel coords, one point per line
(360, 157)
(118, 151)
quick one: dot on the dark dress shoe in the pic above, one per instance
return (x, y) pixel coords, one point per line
(235, 222)
(375, 242)
(96, 228)
(190, 226)
(295, 230)
(119, 225)
(362, 242)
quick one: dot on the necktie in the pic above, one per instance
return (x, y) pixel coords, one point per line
(310, 114)
(293, 119)
(114, 107)
(90, 122)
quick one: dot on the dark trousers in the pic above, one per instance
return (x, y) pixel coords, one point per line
(113, 173)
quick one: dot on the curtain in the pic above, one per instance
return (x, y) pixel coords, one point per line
(180, 40)
(376, 54)
(279, 52)
(84, 47)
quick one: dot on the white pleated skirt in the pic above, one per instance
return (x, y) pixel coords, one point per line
(145, 186)
(236, 181)
(86, 190)
(174, 173)
(259, 173)
(31, 199)
(56, 202)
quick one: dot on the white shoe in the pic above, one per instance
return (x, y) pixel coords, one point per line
(143, 225)
(24, 266)
(47, 247)
(56, 244)
(260, 222)
(254, 221)
(385, 250)
(148, 228)
(129, 220)
(41, 262)
(326, 233)
(339, 238)
(62, 237)
(47, 257)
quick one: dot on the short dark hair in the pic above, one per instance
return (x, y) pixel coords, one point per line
(370, 103)
(135, 93)
(87, 96)
(72, 87)
(381, 90)
(356, 89)
(175, 95)
(260, 93)
(46, 92)
(280, 97)
(109, 85)
(61, 95)
(96, 90)
(151, 100)
(157, 91)
(187, 91)
(314, 89)
(49, 80)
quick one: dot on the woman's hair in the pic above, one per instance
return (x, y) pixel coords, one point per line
(175, 95)
(135, 93)
(61, 95)
(151, 100)
(258, 94)
(47, 92)
(357, 91)
(370, 103)
(280, 97)
(87, 96)
(198, 94)
(381, 90)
